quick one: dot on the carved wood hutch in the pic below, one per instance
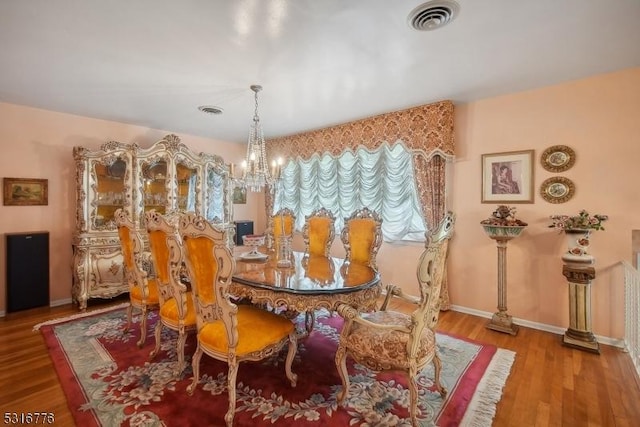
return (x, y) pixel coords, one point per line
(167, 177)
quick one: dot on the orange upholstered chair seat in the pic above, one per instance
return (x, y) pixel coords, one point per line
(257, 329)
(169, 311)
(136, 292)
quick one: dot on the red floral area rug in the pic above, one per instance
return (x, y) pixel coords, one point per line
(109, 381)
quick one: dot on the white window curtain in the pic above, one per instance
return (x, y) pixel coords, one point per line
(382, 180)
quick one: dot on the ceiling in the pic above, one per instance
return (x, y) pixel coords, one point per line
(320, 62)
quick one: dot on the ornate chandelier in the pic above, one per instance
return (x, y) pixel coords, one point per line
(256, 173)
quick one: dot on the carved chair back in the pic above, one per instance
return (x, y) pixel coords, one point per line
(210, 265)
(362, 236)
(143, 291)
(319, 232)
(166, 253)
(132, 248)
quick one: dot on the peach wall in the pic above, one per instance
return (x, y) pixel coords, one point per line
(598, 118)
(38, 144)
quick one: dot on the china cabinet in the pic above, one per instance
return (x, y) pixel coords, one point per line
(167, 177)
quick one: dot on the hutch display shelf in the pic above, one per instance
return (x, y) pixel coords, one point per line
(167, 177)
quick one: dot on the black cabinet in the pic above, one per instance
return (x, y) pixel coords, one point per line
(27, 270)
(243, 228)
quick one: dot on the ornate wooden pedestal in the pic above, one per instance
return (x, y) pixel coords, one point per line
(579, 334)
(501, 320)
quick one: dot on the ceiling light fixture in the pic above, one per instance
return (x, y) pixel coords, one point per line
(433, 15)
(256, 173)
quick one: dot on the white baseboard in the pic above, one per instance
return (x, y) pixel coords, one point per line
(615, 342)
(60, 302)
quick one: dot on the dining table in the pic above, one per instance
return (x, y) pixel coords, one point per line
(308, 283)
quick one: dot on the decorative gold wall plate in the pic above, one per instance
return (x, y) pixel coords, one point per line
(558, 158)
(557, 189)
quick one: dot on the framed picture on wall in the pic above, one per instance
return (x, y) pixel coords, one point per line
(25, 191)
(239, 195)
(507, 177)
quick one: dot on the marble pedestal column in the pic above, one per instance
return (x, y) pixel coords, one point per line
(579, 334)
(501, 320)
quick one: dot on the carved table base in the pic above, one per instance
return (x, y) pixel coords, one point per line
(363, 300)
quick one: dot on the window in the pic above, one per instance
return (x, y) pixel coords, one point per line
(382, 180)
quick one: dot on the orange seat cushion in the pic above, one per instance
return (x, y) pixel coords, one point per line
(169, 311)
(136, 293)
(257, 329)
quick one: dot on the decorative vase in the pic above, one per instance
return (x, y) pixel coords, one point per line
(284, 252)
(503, 232)
(578, 240)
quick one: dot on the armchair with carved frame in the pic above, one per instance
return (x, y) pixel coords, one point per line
(389, 340)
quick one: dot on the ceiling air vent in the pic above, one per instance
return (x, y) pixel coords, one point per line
(210, 109)
(433, 15)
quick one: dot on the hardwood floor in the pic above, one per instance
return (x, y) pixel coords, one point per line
(549, 385)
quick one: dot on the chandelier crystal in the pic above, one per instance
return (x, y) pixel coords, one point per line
(256, 172)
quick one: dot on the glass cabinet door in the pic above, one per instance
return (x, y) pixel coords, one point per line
(187, 180)
(215, 197)
(154, 188)
(110, 190)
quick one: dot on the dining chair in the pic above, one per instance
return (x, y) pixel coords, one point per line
(282, 223)
(225, 331)
(176, 303)
(362, 237)
(388, 340)
(318, 232)
(143, 290)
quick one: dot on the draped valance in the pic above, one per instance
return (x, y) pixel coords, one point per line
(426, 128)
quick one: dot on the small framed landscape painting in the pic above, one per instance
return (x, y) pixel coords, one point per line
(25, 191)
(507, 177)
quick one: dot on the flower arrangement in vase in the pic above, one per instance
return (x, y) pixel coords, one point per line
(582, 221)
(578, 230)
(503, 223)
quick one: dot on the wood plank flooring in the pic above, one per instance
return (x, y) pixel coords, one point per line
(549, 384)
